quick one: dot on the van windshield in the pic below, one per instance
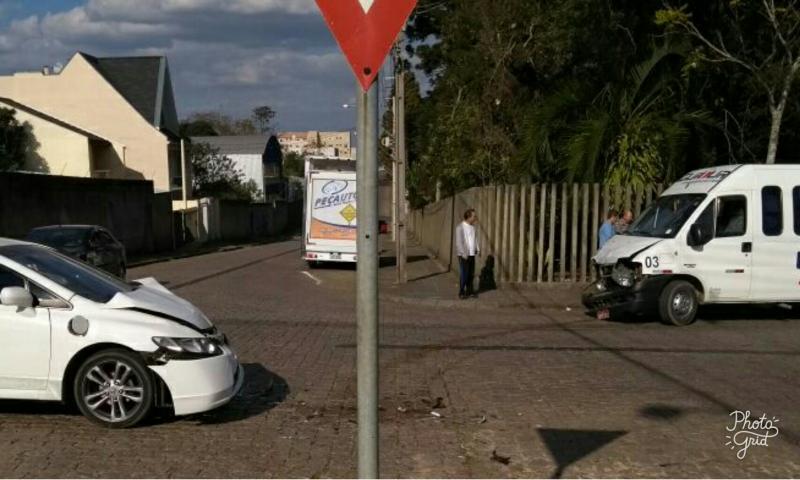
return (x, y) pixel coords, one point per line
(665, 217)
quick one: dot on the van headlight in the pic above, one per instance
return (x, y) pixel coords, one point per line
(189, 347)
(623, 275)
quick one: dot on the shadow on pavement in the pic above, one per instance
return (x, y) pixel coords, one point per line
(661, 412)
(569, 446)
(34, 407)
(596, 348)
(722, 313)
(263, 390)
(392, 261)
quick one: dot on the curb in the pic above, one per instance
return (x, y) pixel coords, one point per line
(472, 304)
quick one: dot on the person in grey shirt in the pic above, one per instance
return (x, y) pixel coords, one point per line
(624, 222)
(467, 248)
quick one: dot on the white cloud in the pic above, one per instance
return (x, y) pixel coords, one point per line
(77, 24)
(154, 9)
(229, 55)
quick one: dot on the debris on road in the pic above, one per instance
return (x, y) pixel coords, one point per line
(436, 414)
(482, 420)
(438, 403)
(402, 409)
(500, 458)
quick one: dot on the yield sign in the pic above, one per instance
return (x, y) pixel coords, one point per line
(365, 30)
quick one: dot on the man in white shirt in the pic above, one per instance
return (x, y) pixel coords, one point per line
(467, 249)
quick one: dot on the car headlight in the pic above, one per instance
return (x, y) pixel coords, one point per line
(189, 347)
(623, 275)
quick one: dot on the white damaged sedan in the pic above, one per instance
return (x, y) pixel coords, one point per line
(71, 333)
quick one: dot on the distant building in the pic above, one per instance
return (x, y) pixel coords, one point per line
(329, 144)
(101, 117)
(257, 157)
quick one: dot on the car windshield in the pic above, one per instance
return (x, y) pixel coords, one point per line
(75, 276)
(665, 217)
(62, 238)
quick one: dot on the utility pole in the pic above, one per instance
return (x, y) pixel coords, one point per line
(367, 281)
(395, 195)
(401, 157)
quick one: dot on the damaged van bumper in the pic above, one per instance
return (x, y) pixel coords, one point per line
(640, 299)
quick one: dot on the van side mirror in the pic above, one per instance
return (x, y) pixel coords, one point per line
(697, 237)
(16, 297)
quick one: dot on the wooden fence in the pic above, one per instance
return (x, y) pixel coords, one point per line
(540, 233)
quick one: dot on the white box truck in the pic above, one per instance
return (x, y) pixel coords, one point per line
(719, 235)
(330, 208)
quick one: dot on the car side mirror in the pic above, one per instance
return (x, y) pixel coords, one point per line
(16, 297)
(697, 237)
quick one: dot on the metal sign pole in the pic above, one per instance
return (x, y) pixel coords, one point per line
(367, 282)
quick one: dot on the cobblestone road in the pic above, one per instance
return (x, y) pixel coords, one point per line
(551, 392)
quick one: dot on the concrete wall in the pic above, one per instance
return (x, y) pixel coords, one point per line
(129, 209)
(224, 220)
(79, 95)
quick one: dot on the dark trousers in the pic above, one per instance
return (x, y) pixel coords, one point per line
(467, 267)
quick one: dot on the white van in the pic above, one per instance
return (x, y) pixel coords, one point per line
(719, 235)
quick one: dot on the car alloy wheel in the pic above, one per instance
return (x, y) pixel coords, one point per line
(114, 389)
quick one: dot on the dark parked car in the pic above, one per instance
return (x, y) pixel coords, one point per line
(91, 244)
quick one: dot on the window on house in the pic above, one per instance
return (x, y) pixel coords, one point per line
(771, 211)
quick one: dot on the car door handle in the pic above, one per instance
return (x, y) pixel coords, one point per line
(747, 247)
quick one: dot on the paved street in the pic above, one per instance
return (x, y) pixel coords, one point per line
(551, 392)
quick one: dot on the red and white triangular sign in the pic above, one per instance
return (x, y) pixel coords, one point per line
(366, 30)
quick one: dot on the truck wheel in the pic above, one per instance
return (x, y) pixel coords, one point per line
(678, 304)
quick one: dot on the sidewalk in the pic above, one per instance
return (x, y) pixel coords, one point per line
(430, 284)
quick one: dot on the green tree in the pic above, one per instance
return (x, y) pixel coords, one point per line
(219, 124)
(16, 140)
(636, 131)
(216, 175)
(293, 165)
(262, 117)
(760, 37)
(197, 128)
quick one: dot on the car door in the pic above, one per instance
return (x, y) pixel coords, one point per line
(724, 264)
(24, 343)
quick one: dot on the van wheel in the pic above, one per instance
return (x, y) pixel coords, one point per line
(678, 304)
(114, 388)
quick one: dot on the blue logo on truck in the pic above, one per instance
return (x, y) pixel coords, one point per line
(333, 187)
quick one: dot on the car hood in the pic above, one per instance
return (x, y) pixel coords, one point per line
(153, 298)
(623, 246)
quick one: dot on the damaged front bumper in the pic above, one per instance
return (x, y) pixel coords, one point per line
(640, 299)
(202, 384)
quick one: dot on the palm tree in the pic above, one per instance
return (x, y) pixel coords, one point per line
(633, 132)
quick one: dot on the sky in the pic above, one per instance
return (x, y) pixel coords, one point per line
(224, 55)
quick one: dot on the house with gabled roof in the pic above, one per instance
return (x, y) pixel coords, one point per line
(258, 158)
(111, 117)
